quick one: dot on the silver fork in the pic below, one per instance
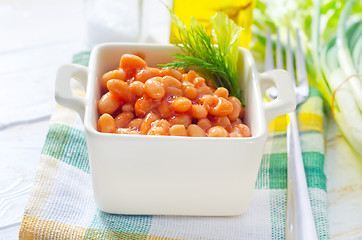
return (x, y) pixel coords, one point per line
(299, 222)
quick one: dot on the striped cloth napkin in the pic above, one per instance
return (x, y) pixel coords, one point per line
(61, 204)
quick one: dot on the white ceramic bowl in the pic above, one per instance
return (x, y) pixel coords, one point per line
(170, 175)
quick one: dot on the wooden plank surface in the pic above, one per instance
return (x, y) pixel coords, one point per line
(37, 37)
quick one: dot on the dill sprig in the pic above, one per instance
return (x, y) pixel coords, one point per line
(215, 57)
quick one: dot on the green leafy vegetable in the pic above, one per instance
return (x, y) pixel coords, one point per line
(338, 72)
(215, 56)
(331, 31)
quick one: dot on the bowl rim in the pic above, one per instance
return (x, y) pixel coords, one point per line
(90, 98)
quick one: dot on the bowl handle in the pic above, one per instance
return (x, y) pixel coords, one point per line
(286, 100)
(63, 93)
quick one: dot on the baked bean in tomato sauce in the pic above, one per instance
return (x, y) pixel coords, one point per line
(137, 99)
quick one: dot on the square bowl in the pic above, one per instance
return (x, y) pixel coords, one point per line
(169, 175)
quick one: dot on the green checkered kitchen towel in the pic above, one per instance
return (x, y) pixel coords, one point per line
(61, 204)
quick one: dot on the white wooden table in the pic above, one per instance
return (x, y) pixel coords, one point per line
(37, 36)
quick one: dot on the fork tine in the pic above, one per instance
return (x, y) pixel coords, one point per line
(269, 61)
(301, 67)
(290, 61)
(280, 63)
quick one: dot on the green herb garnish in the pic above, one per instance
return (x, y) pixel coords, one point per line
(214, 56)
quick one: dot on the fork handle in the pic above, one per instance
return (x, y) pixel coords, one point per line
(300, 223)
